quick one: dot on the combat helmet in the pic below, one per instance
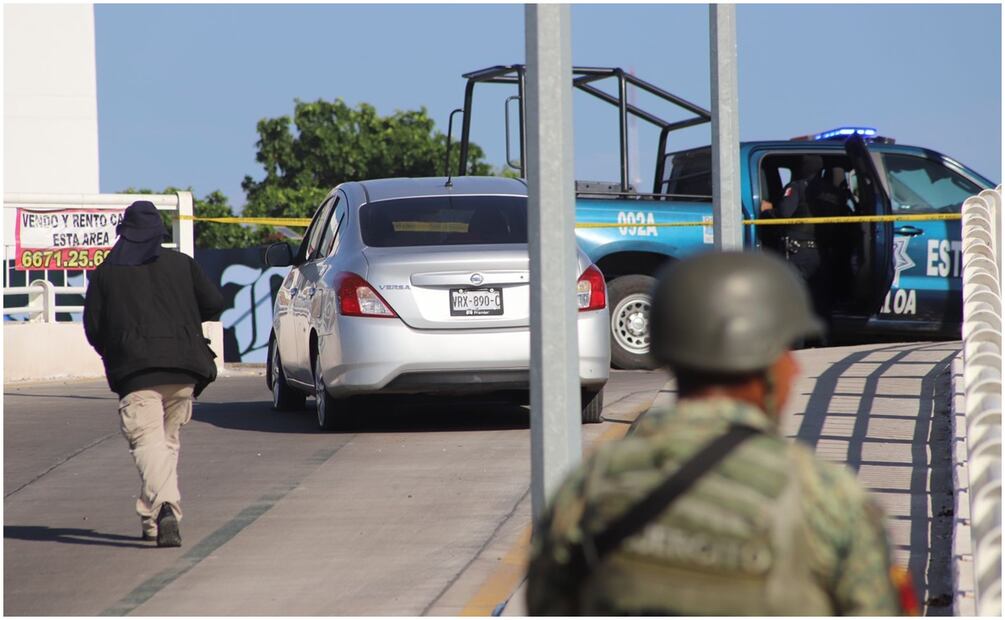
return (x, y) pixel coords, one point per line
(729, 312)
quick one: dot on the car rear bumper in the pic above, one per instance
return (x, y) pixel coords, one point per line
(368, 355)
(458, 381)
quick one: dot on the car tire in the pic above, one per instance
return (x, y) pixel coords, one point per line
(332, 414)
(593, 405)
(284, 398)
(630, 298)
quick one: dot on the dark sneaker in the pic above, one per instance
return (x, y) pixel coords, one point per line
(168, 534)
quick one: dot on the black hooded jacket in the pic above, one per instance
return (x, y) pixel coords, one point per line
(149, 316)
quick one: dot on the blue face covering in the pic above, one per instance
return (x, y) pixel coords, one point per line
(126, 252)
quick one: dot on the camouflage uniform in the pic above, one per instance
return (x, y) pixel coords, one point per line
(771, 530)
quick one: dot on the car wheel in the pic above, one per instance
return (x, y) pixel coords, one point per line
(333, 414)
(284, 398)
(593, 405)
(631, 297)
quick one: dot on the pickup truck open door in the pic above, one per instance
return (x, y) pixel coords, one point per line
(872, 255)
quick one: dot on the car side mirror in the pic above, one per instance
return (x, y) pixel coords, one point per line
(279, 255)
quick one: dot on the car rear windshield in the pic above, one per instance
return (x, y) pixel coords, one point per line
(444, 220)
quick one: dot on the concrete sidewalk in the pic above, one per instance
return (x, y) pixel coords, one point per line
(882, 410)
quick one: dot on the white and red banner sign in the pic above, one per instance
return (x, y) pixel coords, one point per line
(76, 239)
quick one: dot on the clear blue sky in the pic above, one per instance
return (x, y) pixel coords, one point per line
(181, 87)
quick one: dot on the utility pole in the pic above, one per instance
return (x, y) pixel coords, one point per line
(727, 216)
(555, 416)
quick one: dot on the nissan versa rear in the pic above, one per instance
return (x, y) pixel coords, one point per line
(417, 286)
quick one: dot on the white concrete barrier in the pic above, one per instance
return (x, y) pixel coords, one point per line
(977, 409)
(53, 351)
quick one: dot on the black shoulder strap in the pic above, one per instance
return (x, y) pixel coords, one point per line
(642, 513)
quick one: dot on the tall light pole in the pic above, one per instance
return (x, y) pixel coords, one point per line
(727, 216)
(554, 352)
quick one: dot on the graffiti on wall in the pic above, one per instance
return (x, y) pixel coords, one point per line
(250, 315)
(249, 289)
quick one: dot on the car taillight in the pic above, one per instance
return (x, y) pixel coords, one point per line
(357, 298)
(591, 292)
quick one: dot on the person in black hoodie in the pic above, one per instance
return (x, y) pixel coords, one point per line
(143, 314)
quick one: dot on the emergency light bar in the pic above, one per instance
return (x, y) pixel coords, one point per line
(840, 132)
(869, 133)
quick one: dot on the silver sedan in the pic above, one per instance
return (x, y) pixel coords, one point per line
(414, 286)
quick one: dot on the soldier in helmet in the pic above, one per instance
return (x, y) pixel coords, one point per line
(707, 508)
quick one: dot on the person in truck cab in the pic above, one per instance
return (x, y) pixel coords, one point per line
(829, 196)
(799, 242)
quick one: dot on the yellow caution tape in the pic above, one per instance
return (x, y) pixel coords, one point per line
(849, 219)
(261, 221)
(854, 219)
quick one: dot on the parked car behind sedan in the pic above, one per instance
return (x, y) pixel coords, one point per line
(417, 286)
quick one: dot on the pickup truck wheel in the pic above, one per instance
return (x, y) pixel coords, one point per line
(284, 398)
(631, 297)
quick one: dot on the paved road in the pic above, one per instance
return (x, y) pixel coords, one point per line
(409, 515)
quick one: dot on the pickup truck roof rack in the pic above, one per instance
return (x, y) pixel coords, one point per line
(584, 79)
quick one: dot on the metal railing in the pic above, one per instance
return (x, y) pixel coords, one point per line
(982, 393)
(41, 306)
(42, 286)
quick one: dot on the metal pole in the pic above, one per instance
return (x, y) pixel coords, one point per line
(633, 140)
(554, 351)
(184, 229)
(469, 92)
(521, 92)
(727, 215)
(623, 128)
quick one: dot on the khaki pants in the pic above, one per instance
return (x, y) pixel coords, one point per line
(151, 421)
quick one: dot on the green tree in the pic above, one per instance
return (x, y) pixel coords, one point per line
(334, 143)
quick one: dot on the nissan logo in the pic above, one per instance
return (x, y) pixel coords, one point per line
(477, 279)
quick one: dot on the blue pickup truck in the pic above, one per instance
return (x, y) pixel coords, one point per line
(899, 279)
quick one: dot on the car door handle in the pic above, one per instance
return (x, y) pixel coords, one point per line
(909, 231)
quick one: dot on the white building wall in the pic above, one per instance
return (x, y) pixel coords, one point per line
(50, 99)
